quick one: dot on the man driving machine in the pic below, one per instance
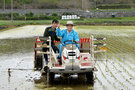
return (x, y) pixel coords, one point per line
(68, 37)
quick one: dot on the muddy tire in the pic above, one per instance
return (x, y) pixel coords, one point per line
(51, 77)
(90, 78)
(81, 76)
(38, 63)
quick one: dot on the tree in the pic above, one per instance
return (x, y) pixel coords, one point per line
(27, 1)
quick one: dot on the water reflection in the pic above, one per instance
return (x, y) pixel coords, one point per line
(22, 45)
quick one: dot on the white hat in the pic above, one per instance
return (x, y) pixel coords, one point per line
(70, 23)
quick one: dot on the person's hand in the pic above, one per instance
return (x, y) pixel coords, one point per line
(43, 45)
(76, 42)
(58, 26)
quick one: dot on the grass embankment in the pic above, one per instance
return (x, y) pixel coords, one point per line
(90, 21)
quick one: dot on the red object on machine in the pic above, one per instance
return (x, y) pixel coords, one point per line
(82, 40)
(86, 64)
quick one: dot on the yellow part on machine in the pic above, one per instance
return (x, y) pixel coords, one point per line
(103, 48)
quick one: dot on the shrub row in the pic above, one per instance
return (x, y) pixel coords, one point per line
(28, 16)
(119, 6)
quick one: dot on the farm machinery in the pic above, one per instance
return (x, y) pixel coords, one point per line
(74, 61)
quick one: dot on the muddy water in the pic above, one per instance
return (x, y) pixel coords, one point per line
(16, 53)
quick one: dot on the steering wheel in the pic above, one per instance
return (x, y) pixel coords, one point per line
(73, 42)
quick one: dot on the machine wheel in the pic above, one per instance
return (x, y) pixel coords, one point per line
(50, 76)
(89, 77)
(38, 63)
(81, 76)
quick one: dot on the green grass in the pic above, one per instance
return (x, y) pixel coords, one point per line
(89, 21)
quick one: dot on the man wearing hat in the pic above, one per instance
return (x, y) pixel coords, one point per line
(67, 35)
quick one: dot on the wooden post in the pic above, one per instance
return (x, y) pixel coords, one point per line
(82, 4)
(12, 11)
(4, 5)
(24, 7)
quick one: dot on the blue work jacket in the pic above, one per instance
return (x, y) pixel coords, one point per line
(66, 36)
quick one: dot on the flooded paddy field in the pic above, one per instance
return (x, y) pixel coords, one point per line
(117, 72)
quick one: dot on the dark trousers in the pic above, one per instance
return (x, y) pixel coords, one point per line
(55, 49)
